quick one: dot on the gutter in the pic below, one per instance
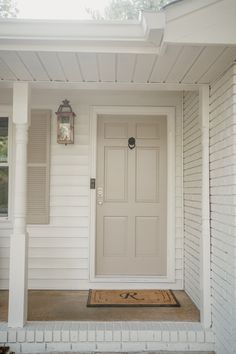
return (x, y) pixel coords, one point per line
(171, 3)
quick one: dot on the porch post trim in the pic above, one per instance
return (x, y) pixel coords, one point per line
(17, 312)
(205, 264)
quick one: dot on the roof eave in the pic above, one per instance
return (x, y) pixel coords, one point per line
(202, 22)
(148, 32)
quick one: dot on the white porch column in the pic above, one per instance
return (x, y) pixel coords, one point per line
(205, 245)
(17, 313)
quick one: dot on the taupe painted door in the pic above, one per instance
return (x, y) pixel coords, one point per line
(131, 196)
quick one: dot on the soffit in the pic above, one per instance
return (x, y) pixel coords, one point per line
(183, 64)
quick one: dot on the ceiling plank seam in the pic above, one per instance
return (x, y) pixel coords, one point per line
(43, 66)
(79, 66)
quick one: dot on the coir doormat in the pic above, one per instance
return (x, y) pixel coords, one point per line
(120, 298)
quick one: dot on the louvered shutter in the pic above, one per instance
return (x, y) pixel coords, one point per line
(38, 168)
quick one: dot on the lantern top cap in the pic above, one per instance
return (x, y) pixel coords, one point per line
(65, 107)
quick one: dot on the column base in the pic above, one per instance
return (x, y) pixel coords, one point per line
(18, 299)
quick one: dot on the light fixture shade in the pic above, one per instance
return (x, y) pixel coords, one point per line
(65, 123)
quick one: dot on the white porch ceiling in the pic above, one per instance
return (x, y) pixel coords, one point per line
(178, 64)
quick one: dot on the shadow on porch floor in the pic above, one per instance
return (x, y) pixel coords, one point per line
(65, 305)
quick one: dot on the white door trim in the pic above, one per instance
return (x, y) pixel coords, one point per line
(156, 281)
(205, 243)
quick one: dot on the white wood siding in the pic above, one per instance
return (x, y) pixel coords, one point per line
(192, 167)
(59, 252)
(223, 209)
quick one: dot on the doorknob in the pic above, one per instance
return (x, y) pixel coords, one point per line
(100, 195)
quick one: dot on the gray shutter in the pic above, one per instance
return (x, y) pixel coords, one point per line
(38, 168)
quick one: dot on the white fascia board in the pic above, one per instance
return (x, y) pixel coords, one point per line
(88, 35)
(69, 29)
(212, 24)
(134, 47)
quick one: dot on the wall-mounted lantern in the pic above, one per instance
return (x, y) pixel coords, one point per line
(65, 123)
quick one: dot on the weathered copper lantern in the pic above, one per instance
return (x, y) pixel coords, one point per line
(65, 123)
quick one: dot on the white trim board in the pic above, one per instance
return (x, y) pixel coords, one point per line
(205, 253)
(129, 281)
(105, 86)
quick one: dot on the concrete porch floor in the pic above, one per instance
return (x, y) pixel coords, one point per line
(65, 305)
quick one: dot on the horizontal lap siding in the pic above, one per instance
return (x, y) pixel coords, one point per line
(192, 160)
(223, 210)
(4, 256)
(59, 252)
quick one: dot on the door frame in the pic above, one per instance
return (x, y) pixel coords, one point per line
(139, 281)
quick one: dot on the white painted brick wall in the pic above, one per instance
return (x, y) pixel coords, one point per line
(122, 337)
(223, 210)
(192, 167)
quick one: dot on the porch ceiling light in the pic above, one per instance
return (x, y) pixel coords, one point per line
(65, 123)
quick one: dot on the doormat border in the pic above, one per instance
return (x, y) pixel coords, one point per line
(131, 305)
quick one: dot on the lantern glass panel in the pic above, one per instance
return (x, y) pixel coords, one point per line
(65, 128)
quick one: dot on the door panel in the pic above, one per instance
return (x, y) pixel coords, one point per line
(147, 178)
(115, 130)
(114, 236)
(148, 130)
(116, 174)
(147, 234)
(131, 216)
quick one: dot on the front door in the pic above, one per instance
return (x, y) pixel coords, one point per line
(131, 235)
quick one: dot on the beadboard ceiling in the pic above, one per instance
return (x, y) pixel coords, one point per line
(176, 64)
